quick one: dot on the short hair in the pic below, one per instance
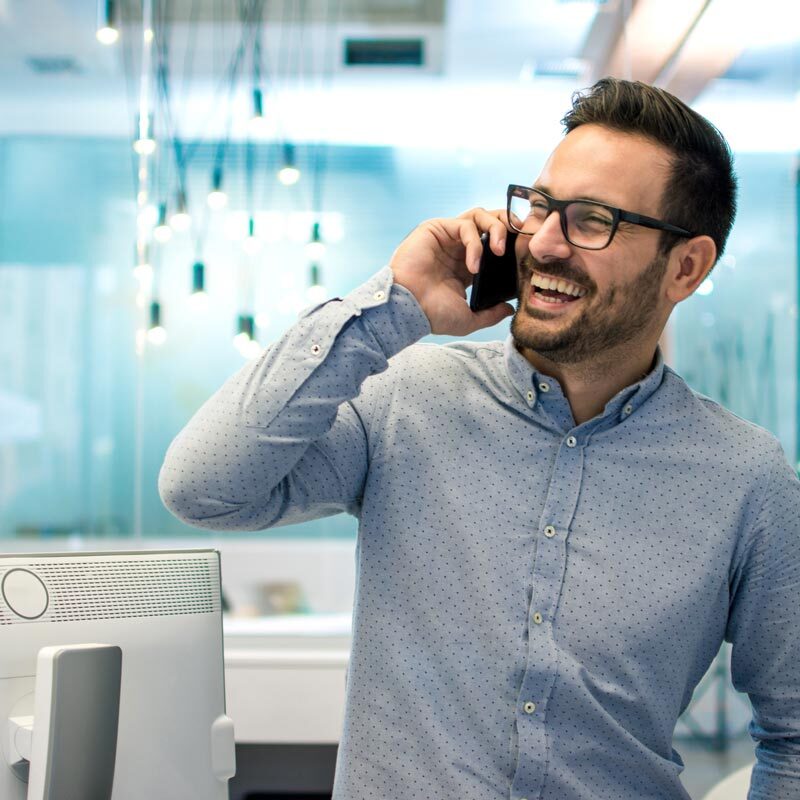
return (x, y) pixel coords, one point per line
(700, 194)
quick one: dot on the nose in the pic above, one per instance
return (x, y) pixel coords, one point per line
(549, 243)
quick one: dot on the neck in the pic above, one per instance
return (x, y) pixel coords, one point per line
(589, 385)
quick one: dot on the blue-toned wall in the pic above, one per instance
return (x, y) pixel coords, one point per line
(68, 369)
(738, 343)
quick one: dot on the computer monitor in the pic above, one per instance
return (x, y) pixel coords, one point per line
(117, 658)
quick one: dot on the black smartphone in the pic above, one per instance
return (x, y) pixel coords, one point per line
(496, 279)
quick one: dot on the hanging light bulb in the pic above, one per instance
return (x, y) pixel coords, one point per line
(156, 334)
(144, 143)
(107, 32)
(251, 244)
(143, 271)
(288, 173)
(258, 123)
(180, 220)
(199, 296)
(147, 218)
(244, 342)
(162, 232)
(316, 292)
(244, 330)
(198, 277)
(216, 197)
(315, 249)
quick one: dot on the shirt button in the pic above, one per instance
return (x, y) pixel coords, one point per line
(628, 409)
(529, 707)
(315, 349)
(571, 441)
(549, 531)
(537, 618)
(544, 387)
(379, 295)
(530, 396)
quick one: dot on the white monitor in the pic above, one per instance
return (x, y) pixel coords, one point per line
(111, 677)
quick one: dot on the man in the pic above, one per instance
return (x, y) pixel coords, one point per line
(556, 534)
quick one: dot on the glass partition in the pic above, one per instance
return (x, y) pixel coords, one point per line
(82, 416)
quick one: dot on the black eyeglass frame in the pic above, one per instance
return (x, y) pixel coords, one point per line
(617, 214)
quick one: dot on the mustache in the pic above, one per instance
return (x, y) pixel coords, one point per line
(554, 269)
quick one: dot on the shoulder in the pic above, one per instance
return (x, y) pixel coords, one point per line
(710, 424)
(426, 374)
(455, 355)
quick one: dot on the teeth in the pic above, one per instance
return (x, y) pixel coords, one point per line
(557, 285)
(546, 299)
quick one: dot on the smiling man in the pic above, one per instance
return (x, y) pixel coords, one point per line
(555, 533)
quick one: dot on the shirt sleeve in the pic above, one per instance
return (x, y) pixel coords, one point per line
(764, 629)
(281, 442)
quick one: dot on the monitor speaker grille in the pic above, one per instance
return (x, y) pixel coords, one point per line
(120, 588)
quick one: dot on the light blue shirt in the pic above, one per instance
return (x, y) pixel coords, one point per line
(536, 600)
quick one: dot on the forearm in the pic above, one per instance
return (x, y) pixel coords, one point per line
(231, 466)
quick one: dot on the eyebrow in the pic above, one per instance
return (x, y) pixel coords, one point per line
(546, 190)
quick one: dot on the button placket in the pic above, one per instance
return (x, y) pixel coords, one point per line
(539, 679)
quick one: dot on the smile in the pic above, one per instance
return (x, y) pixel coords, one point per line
(554, 291)
(556, 286)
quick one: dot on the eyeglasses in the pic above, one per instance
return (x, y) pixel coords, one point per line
(584, 224)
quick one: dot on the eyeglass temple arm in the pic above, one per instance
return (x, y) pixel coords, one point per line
(649, 222)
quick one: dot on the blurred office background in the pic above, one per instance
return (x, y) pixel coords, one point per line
(326, 130)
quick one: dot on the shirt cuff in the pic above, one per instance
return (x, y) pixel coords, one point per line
(391, 311)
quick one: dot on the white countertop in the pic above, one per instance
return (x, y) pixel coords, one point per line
(301, 625)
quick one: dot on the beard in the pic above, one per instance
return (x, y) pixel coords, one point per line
(603, 326)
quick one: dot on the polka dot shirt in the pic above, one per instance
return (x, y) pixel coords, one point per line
(536, 600)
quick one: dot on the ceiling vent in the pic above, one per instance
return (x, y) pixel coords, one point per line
(384, 52)
(53, 65)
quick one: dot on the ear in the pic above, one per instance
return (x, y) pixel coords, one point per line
(689, 263)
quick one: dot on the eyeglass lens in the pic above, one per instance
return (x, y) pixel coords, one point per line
(588, 225)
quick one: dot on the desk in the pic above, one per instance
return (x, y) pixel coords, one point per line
(285, 690)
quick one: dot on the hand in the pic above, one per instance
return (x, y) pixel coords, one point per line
(436, 263)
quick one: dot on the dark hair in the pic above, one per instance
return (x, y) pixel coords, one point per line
(700, 194)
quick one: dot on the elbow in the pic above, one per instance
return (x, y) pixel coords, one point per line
(184, 499)
(177, 495)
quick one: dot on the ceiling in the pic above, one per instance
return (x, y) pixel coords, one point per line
(484, 65)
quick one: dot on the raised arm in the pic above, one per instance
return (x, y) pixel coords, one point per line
(281, 441)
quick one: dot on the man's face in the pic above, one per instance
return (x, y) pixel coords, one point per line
(623, 300)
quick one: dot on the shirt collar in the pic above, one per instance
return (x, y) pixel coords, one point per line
(526, 378)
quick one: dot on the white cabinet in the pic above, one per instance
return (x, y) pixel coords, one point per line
(285, 677)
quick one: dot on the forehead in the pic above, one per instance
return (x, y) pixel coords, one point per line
(621, 169)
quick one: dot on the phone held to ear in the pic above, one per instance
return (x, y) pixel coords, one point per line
(496, 279)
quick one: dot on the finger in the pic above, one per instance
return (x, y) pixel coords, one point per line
(471, 239)
(494, 222)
